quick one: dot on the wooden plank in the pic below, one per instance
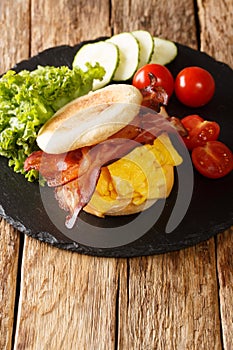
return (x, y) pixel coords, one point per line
(67, 22)
(173, 20)
(216, 29)
(225, 273)
(14, 29)
(172, 301)
(67, 300)
(13, 48)
(9, 249)
(216, 24)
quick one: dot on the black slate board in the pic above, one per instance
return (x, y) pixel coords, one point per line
(210, 210)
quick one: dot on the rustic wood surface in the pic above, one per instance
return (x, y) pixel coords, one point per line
(9, 252)
(52, 299)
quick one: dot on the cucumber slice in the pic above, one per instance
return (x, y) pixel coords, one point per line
(164, 51)
(106, 53)
(129, 55)
(146, 46)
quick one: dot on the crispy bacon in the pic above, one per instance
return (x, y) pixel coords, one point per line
(68, 198)
(154, 96)
(152, 126)
(131, 130)
(57, 169)
(178, 126)
(33, 161)
(74, 195)
(175, 122)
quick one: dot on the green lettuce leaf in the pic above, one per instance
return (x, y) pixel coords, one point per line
(29, 99)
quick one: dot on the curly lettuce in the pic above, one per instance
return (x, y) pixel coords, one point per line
(29, 99)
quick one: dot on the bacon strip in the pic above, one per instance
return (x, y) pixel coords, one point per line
(74, 195)
(154, 96)
(178, 126)
(57, 169)
(152, 126)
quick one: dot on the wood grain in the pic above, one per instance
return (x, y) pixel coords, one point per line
(67, 300)
(9, 249)
(216, 23)
(174, 20)
(58, 22)
(14, 46)
(216, 29)
(225, 275)
(14, 29)
(171, 302)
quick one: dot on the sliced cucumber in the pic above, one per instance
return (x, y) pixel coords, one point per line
(164, 51)
(129, 55)
(106, 53)
(146, 46)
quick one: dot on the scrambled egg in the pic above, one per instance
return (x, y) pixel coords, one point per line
(144, 173)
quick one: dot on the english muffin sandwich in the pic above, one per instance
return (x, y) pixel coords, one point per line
(105, 154)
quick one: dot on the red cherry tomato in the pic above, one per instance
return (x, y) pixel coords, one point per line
(213, 160)
(164, 77)
(199, 131)
(194, 86)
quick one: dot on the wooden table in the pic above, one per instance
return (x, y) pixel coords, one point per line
(54, 299)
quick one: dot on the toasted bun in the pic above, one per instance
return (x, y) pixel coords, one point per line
(90, 119)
